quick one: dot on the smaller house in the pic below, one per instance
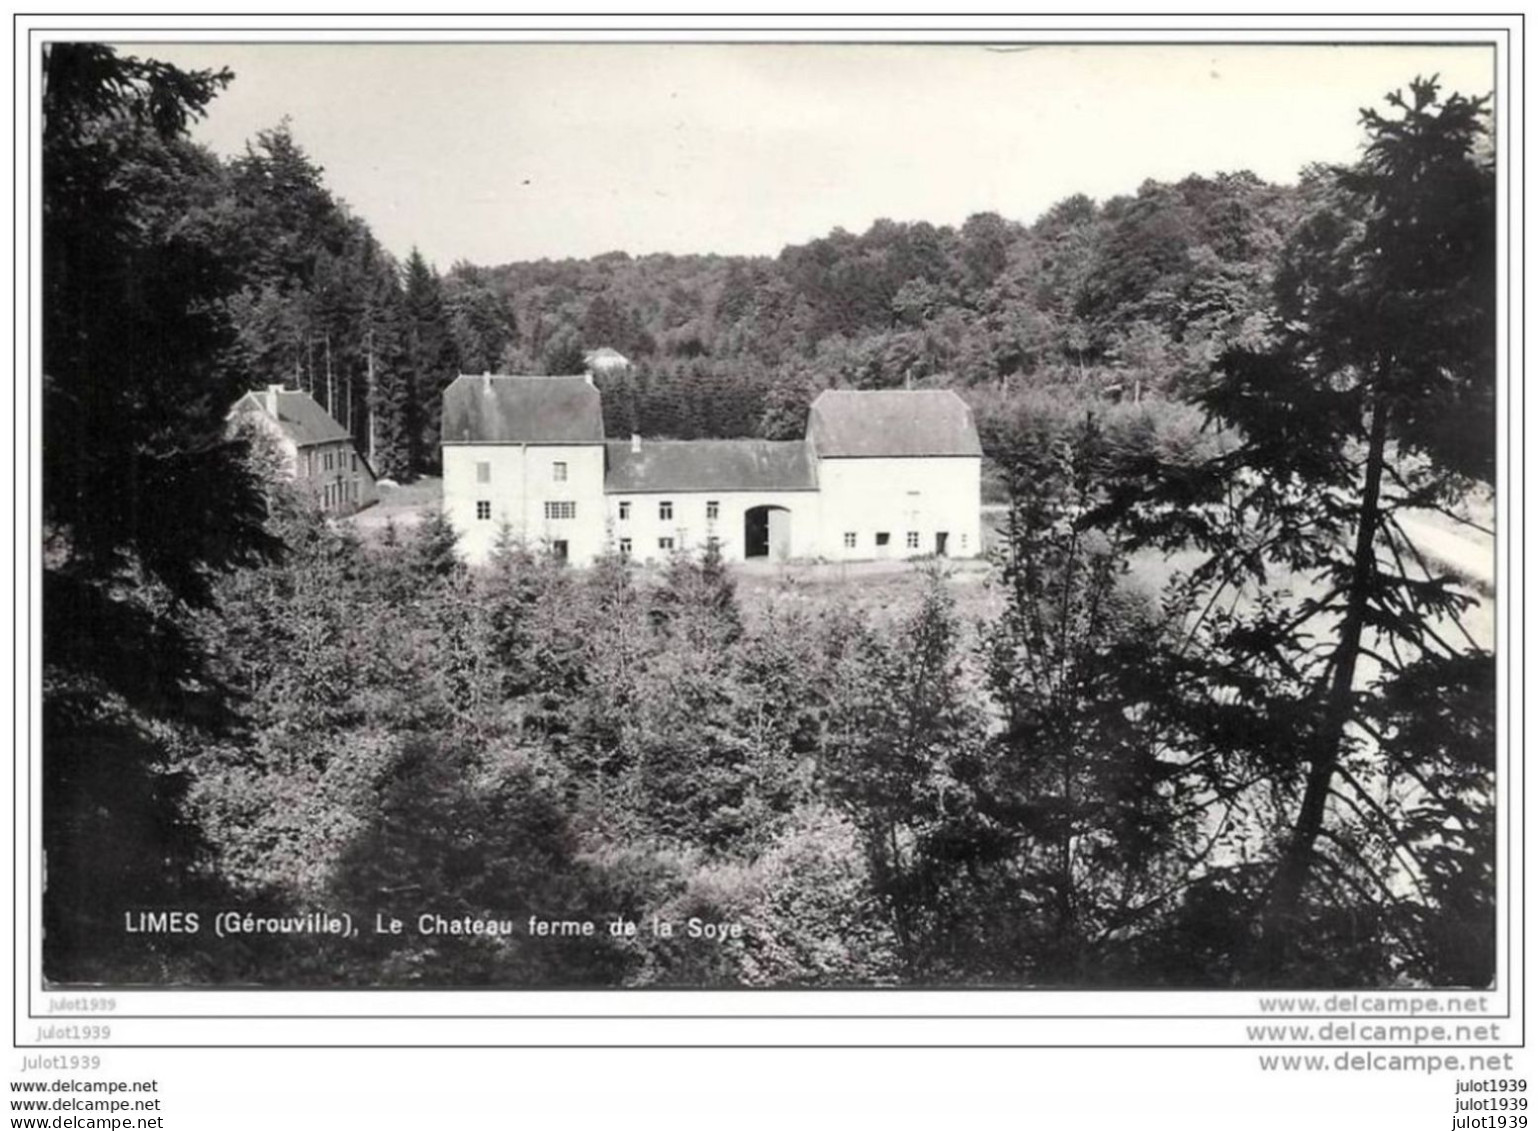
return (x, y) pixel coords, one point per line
(318, 453)
(605, 360)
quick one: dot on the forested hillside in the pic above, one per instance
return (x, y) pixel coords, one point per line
(1133, 297)
(1269, 761)
(1130, 298)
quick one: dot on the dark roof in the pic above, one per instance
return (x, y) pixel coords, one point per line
(522, 410)
(892, 422)
(709, 465)
(302, 419)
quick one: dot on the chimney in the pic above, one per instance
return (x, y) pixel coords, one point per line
(270, 399)
(635, 443)
(486, 381)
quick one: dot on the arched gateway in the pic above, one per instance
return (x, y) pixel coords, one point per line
(766, 533)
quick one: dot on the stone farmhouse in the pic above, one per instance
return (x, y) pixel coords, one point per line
(884, 474)
(318, 453)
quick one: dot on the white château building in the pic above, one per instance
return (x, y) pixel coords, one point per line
(883, 474)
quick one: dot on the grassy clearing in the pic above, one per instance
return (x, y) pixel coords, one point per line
(884, 591)
(888, 590)
(401, 505)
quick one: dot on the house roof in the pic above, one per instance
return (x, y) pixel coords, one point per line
(709, 465)
(892, 422)
(302, 419)
(522, 410)
(605, 357)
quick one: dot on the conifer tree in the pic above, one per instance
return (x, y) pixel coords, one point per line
(1384, 338)
(429, 356)
(146, 499)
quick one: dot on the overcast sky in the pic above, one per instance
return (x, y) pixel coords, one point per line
(493, 153)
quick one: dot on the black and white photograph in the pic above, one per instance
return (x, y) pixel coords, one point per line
(769, 516)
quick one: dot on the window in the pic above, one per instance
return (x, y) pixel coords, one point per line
(963, 541)
(558, 471)
(882, 537)
(483, 510)
(560, 550)
(849, 540)
(326, 460)
(560, 510)
(913, 539)
(355, 461)
(712, 510)
(624, 510)
(713, 543)
(664, 543)
(665, 511)
(624, 547)
(483, 472)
